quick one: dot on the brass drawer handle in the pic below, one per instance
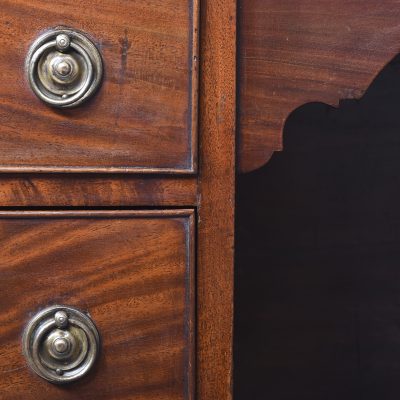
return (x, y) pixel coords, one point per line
(61, 344)
(64, 68)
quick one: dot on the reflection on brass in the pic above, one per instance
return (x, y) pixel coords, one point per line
(64, 68)
(61, 344)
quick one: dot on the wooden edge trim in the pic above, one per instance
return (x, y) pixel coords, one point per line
(216, 199)
(5, 169)
(100, 191)
(194, 84)
(98, 214)
(191, 306)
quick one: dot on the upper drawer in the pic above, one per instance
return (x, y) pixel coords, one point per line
(142, 118)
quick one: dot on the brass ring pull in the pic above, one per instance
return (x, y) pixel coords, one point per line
(64, 68)
(61, 344)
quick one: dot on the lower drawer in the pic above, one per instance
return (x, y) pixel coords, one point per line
(132, 271)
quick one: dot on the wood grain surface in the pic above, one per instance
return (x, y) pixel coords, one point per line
(144, 115)
(83, 190)
(293, 52)
(133, 271)
(216, 200)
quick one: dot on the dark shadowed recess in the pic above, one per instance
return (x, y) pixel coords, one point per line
(318, 256)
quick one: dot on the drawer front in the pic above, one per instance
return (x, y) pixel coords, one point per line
(132, 271)
(142, 118)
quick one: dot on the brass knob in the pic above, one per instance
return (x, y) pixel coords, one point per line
(64, 68)
(61, 344)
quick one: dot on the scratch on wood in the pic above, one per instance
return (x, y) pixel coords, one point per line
(125, 45)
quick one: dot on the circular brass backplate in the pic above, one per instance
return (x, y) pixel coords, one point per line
(64, 68)
(61, 344)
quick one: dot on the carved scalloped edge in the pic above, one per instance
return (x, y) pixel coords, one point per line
(334, 98)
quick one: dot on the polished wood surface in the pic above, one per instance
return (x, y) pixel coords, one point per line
(216, 200)
(144, 115)
(132, 270)
(75, 190)
(293, 52)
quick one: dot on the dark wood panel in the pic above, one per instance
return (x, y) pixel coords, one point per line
(296, 51)
(133, 271)
(143, 117)
(216, 200)
(318, 256)
(72, 190)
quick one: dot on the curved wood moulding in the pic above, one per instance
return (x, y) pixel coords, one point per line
(293, 52)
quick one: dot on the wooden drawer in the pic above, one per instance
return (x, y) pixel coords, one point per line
(132, 271)
(143, 117)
